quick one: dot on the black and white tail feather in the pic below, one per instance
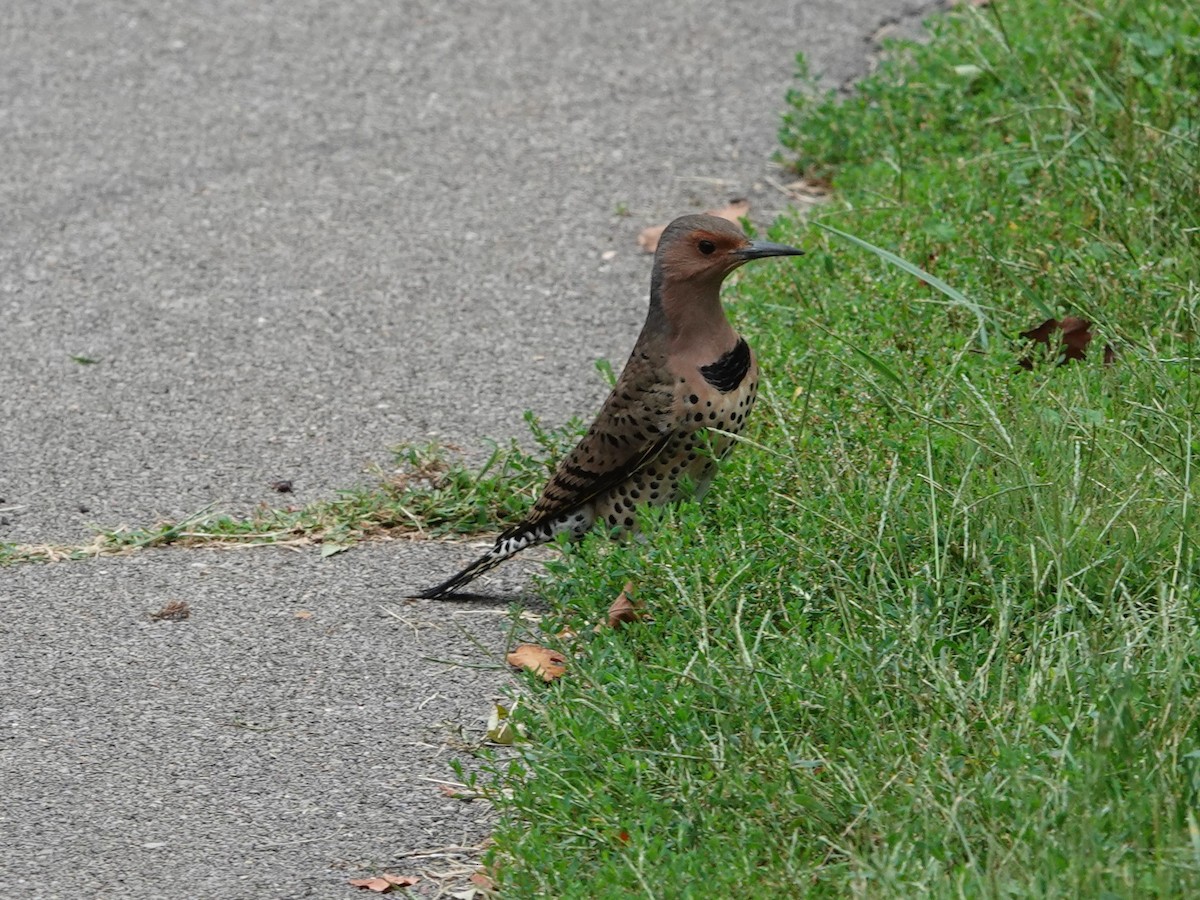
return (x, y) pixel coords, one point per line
(509, 544)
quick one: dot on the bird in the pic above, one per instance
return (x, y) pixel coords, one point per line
(689, 384)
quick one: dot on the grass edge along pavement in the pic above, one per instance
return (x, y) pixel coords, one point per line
(935, 632)
(431, 493)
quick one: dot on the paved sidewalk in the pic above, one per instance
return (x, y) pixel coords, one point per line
(285, 737)
(290, 236)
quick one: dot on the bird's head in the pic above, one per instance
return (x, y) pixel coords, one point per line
(702, 250)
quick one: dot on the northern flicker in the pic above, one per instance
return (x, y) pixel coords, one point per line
(689, 372)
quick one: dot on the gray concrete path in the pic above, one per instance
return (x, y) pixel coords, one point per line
(290, 236)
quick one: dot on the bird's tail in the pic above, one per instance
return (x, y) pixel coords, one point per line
(511, 542)
(489, 560)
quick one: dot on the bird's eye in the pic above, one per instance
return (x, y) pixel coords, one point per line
(707, 247)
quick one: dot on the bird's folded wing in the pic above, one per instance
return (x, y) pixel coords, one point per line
(609, 454)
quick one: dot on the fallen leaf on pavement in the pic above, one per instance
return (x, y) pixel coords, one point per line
(175, 611)
(303, 614)
(648, 238)
(734, 212)
(543, 661)
(459, 792)
(481, 880)
(381, 884)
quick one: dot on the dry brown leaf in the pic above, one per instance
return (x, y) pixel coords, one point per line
(481, 880)
(381, 884)
(734, 212)
(1040, 334)
(1076, 335)
(623, 610)
(648, 238)
(459, 792)
(303, 614)
(175, 611)
(371, 884)
(543, 661)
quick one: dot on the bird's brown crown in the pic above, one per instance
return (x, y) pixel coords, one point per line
(700, 248)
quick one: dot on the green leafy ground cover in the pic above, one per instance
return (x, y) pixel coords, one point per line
(935, 629)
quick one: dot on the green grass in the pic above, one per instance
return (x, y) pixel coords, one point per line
(935, 629)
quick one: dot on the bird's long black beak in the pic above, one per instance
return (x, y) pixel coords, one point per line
(763, 249)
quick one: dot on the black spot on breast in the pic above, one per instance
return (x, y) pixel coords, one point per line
(727, 372)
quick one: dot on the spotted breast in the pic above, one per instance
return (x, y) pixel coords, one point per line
(711, 399)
